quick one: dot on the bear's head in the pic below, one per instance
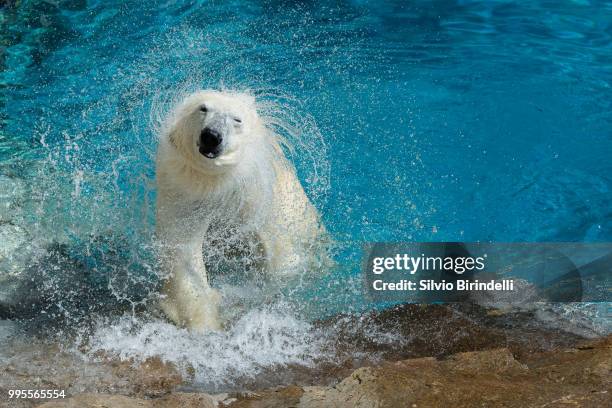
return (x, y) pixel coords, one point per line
(214, 130)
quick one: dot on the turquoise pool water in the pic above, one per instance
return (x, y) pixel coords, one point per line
(442, 120)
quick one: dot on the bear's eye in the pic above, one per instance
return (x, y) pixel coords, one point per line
(203, 108)
(237, 120)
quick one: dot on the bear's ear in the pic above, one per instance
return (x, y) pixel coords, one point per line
(172, 136)
(173, 132)
(250, 100)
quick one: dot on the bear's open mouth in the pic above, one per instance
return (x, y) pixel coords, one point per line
(210, 142)
(211, 154)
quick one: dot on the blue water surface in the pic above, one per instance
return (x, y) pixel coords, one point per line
(445, 120)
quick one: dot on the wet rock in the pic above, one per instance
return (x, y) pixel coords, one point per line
(590, 362)
(280, 397)
(578, 376)
(514, 363)
(412, 330)
(499, 361)
(97, 401)
(151, 378)
(176, 400)
(35, 366)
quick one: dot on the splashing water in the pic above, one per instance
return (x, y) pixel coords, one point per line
(260, 342)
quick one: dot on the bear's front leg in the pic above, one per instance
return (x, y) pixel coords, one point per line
(188, 299)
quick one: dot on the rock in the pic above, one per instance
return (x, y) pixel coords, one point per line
(441, 330)
(176, 400)
(151, 378)
(96, 401)
(34, 365)
(495, 361)
(450, 333)
(280, 397)
(517, 376)
(579, 376)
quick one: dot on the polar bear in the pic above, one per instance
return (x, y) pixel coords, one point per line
(220, 167)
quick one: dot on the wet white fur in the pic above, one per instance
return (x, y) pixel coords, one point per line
(251, 184)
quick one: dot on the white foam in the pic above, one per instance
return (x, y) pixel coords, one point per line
(264, 338)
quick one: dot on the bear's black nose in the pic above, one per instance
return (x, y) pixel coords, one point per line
(210, 142)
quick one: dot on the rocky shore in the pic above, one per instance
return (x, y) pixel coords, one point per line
(579, 377)
(459, 356)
